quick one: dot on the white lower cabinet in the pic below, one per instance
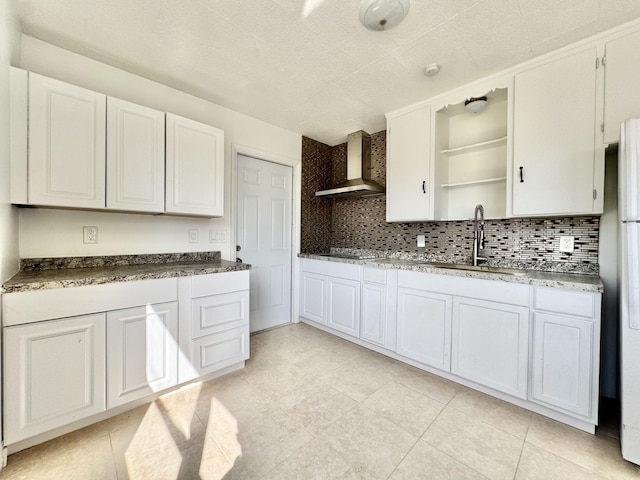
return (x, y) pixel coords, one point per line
(54, 374)
(490, 344)
(378, 307)
(344, 305)
(214, 332)
(424, 327)
(313, 297)
(566, 350)
(142, 355)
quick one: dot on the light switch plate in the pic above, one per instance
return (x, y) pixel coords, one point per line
(421, 241)
(194, 235)
(566, 244)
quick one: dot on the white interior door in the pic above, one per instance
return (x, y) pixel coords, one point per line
(264, 200)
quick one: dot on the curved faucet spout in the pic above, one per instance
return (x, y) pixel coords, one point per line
(478, 234)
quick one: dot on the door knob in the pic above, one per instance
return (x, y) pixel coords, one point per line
(238, 260)
(238, 248)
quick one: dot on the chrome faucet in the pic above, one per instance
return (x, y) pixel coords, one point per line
(478, 234)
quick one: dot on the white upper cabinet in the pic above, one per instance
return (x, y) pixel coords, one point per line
(409, 182)
(135, 157)
(622, 77)
(557, 168)
(66, 145)
(194, 168)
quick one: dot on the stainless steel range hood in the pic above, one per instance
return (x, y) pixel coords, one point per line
(358, 183)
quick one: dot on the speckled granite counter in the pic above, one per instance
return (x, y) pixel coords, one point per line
(572, 281)
(47, 273)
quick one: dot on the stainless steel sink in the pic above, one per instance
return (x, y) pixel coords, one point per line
(479, 268)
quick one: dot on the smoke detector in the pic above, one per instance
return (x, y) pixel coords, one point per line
(383, 14)
(432, 70)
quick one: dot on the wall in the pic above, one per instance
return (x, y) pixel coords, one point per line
(315, 212)
(360, 223)
(9, 50)
(54, 233)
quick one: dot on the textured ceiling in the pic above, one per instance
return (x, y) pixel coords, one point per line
(309, 65)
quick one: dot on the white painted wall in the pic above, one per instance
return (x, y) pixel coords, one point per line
(56, 233)
(9, 49)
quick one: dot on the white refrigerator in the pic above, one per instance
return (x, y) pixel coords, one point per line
(629, 212)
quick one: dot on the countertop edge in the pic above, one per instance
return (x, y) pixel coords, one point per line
(570, 281)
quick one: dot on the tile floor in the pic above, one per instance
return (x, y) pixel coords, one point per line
(309, 405)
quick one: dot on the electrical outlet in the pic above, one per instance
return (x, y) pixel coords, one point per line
(217, 236)
(420, 241)
(566, 244)
(90, 234)
(194, 235)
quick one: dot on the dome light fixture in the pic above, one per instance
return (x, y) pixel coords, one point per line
(383, 14)
(432, 70)
(475, 104)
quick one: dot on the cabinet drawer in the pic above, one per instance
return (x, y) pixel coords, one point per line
(374, 275)
(217, 313)
(221, 350)
(347, 271)
(214, 283)
(565, 301)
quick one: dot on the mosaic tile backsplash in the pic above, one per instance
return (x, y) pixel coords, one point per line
(360, 223)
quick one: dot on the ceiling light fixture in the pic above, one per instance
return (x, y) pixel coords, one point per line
(383, 14)
(475, 104)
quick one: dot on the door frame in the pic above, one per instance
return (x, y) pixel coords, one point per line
(296, 166)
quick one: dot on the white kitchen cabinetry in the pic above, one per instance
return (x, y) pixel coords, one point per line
(214, 330)
(471, 155)
(622, 77)
(142, 356)
(566, 332)
(135, 157)
(490, 344)
(557, 168)
(66, 166)
(424, 327)
(409, 183)
(378, 307)
(194, 167)
(55, 374)
(330, 295)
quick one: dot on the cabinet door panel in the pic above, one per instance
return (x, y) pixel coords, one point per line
(313, 302)
(622, 77)
(135, 157)
(55, 373)
(215, 313)
(562, 362)
(409, 186)
(143, 351)
(195, 167)
(374, 314)
(424, 327)
(218, 351)
(66, 144)
(554, 137)
(344, 305)
(490, 344)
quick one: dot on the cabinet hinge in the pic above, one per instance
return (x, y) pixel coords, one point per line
(595, 193)
(597, 63)
(602, 126)
(604, 61)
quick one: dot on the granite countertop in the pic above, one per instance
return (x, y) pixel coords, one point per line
(47, 273)
(581, 281)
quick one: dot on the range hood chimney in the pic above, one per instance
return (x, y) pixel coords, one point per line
(359, 183)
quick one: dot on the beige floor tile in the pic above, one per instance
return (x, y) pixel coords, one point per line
(475, 443)
(426, 383)
(355, 381)
(316, 405)
(373, 444)
(425, 462)
(597, 453)
(278, 378)
(538, 464)
(505, 416)
(405, 407)
(74, 456)
(317, 361)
